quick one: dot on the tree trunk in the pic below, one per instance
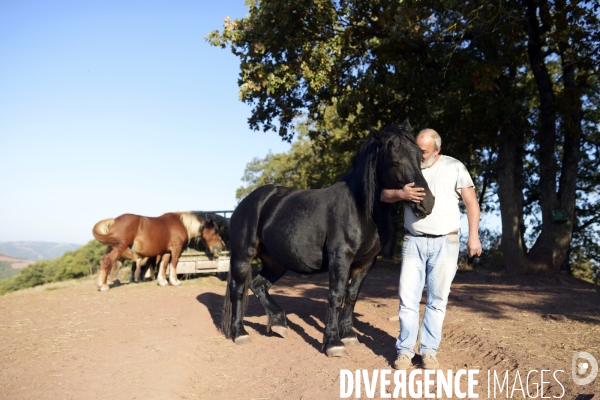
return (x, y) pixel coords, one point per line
(552, 245)
(510, 194)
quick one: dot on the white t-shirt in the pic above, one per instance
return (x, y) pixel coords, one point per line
(445, 179)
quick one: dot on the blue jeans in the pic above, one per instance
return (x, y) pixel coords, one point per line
(431, 260)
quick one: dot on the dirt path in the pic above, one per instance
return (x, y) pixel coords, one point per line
(68, 341)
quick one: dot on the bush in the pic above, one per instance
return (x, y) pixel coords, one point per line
(584, 256)
(491, 258)
(6, 270)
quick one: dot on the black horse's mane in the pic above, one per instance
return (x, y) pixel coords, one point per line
(400, 131)
(362, 178)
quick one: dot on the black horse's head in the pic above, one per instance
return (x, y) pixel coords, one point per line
(399, 163)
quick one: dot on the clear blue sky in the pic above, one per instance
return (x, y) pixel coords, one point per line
(112, 107)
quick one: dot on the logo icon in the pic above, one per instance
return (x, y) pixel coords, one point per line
(582, 367)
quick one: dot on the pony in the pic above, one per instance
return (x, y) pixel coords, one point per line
(139, 237)
(340, 229)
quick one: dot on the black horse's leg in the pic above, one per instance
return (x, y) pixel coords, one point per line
(244, 242)
(270, 273)
(241, 273)
(148, 265)
(338, 280)
(133, 268)
(143, 269)
(358, 275)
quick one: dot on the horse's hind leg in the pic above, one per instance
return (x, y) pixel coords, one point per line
(270, 273)
(357, 276)
(135, 262)
(139, 265)
(153, 265)
(109, 258)
(113, 278)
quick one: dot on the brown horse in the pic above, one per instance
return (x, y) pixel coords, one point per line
(150, 237)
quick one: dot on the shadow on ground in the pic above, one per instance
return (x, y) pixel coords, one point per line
(309, 303)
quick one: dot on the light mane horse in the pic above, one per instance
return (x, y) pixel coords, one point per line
(150, 237)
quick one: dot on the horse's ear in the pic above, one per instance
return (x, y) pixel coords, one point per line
(406, 125)
(377, 135)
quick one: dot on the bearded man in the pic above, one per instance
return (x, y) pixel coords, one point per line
(430, 248)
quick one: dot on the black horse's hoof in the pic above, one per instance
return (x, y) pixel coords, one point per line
(336, 351)
(280, 330)
(242, 340)
(350, 341)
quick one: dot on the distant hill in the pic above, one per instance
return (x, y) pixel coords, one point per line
(73, 264)
(36, 250)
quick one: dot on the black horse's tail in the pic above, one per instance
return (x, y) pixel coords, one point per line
(227, 312)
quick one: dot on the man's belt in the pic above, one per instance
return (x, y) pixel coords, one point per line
(427, 235)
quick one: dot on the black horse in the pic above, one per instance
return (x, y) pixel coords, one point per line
(340, 229)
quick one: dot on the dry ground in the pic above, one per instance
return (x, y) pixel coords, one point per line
(68, 341)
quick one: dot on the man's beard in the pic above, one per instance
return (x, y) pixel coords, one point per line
(428, 162)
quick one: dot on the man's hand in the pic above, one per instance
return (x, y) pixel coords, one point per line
(470, 199)
(473, 246)
(407, 193)
(411, 193)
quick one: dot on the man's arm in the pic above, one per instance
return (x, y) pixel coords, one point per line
(470, 199)
(407, 193)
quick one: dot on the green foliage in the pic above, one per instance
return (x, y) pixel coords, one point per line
(491, 259)
(309, 164)
(585, 255)
(74, 264)
(6, 270)
(468, 69)
(375, 63)
(387, 57)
